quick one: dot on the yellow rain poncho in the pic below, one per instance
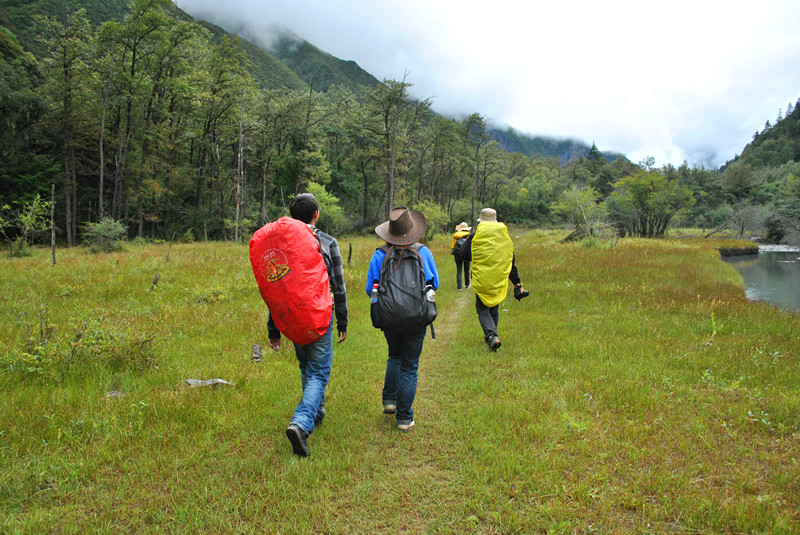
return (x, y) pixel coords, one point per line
(492, 254)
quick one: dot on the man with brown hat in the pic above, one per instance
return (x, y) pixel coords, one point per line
(492, 253)
(459, 239)
(403, 229)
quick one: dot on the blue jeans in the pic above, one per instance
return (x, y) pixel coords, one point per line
(315, 361)
(488, 317)
(400, 384)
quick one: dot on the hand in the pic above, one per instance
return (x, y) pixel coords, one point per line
(520, 293)
(275, 343)
(342, 336)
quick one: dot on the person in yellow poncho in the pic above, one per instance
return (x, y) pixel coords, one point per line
(492, 254)
(459, 238)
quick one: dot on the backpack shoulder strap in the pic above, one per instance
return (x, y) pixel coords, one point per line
(386, 250)
(416, 247)
(328, 261)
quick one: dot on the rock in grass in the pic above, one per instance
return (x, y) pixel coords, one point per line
(194, 383)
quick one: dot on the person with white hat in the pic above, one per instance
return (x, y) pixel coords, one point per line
(492, 254)
(459, 239)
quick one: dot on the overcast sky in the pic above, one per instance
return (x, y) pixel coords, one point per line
(685, 80)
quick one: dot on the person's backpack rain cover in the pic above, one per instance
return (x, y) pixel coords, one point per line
(292, 278)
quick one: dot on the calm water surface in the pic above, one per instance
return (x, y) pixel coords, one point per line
(772, 275)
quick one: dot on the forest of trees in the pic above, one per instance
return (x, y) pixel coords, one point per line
(153, 123)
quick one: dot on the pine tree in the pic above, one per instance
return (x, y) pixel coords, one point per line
(595, 160)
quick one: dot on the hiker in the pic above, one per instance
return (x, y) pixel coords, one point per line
(404, 229)
(459, 238)
(316, 358)
(492, 254)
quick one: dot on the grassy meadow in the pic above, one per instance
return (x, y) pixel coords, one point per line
(636, 391)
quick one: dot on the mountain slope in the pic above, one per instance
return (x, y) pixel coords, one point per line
(19, 17)
(775, 145)
(320, 69)
(315, 67)
(266, 69)
(566, 149)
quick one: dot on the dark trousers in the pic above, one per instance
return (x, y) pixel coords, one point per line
(489, 318)
(459, 264)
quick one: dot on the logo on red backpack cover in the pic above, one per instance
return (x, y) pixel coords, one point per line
(274, 265)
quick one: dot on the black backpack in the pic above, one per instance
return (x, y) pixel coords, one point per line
(458, 247)
(402, 305)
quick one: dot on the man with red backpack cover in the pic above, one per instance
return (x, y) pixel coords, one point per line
(315, 358)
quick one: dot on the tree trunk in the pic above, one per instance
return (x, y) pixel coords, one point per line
(100, 207)
(53, 221)
(262, 209)
(239, 169)
(474, 183)
(74, 195)
(67, 199)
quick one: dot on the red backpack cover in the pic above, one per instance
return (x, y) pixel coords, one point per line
(292, 278)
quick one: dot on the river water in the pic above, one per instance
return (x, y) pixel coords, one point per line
(772, 275)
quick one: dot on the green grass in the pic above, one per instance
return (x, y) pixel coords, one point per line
(636, 391)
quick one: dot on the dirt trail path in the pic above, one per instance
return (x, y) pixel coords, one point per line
(439, 358)
(431, 477)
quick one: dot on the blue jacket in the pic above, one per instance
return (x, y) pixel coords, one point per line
(374, 271)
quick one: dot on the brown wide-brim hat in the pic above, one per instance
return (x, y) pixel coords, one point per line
(404, 226)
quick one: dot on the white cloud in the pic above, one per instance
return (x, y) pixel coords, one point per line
(685, 80)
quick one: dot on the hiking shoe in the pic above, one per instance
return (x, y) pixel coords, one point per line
(520, 295)
(494, 343)
(405, 428)
(319, 417)
(299, 440)
(389, 408)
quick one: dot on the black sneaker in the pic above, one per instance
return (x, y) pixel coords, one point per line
(299, 440)
(494, 343)
(520, 295)
(319, 417)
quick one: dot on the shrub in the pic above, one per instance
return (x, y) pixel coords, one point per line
(19, 248)
(113, 342)
(775, 230)
(104, 236)
(96, 342)
(27, 220)
(34, 362)
(436, 216)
